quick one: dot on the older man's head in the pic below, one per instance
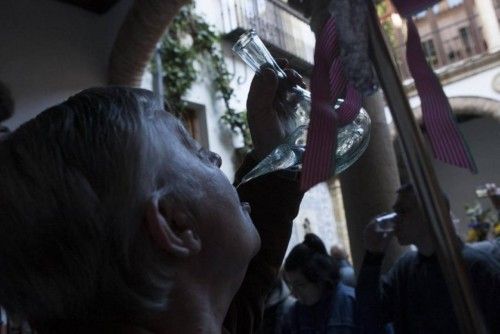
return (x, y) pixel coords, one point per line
(107, 207)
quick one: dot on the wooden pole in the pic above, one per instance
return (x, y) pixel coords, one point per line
(135, 43)
(426, 184)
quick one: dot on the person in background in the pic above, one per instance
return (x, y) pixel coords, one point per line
(114, 220)
(324, 304)
(414, 295)
(347, 275)
(278, 303)
(491, 246)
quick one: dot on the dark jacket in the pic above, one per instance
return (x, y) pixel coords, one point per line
(414, 295)
(278, 302)
(275, 199)
(335, 313)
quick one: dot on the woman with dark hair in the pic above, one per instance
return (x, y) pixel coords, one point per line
(324, 305)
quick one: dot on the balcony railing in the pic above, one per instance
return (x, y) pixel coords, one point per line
(283, 30)
(448, 45)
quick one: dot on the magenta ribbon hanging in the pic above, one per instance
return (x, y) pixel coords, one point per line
(328, 83)
(447, 142)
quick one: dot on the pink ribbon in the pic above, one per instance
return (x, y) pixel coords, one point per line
(328, 83)
(447, 142)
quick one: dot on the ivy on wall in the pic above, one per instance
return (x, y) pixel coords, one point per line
(190, 40)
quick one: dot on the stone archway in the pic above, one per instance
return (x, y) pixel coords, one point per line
(463, 107)
(470, 105)
(479, 121)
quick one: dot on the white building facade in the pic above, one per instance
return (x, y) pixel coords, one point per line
(288, 36)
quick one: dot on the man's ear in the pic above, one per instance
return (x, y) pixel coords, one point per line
(172, 227)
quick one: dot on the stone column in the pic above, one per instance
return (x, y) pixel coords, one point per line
(491, 29)
(399, 38)
(368, 187)
(339, 214)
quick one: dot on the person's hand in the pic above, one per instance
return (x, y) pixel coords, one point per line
(376, 241)
(268, 128)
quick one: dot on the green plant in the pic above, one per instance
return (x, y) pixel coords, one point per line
(190, 39)
(238, 123)
(383, 11)
(481, 221)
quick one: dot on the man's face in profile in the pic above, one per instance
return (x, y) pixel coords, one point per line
(225, 226)
(409, 224)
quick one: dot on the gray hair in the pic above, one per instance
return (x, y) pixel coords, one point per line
(73, 183)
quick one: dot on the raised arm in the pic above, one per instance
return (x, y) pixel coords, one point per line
(375, 293)
(274, 201)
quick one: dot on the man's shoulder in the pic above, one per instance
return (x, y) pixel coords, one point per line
(345, 291)
(404, 265)
(474, 257)
(408, 257)
(344, 301)
(343, 305)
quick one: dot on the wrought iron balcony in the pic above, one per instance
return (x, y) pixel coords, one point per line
(459, 42)
(284, 31)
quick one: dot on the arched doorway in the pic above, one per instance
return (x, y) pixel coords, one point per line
(479, 121)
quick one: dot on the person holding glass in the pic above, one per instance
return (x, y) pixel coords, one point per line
(114, 220)
(413, 295)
